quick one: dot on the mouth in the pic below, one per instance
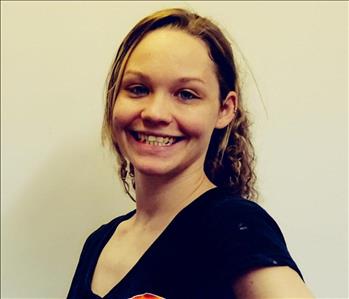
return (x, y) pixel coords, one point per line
(156, 140)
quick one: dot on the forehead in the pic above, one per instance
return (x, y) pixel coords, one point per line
(174, 52)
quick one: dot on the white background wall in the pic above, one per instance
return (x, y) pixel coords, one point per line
(58, 184)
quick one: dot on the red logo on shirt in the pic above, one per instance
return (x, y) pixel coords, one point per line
(147, 296)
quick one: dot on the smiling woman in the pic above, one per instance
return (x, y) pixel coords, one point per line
(175, 117)
(178, 103)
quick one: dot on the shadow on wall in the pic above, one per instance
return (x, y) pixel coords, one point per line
(72, 194)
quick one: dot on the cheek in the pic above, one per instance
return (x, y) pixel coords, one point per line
(120, 121)
(122, 115)
(198, 125)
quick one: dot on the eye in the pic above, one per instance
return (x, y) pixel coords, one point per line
(187, 95)
(137, 90)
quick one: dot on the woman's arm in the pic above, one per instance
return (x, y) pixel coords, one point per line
(271, 282)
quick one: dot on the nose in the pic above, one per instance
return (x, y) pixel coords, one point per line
(157, 110)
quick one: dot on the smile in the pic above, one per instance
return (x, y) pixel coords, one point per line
(154, 139)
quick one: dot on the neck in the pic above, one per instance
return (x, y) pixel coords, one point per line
(160, 199)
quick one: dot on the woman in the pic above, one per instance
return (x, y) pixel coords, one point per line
(175, 117)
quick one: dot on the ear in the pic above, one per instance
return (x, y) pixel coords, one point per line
(227, 110)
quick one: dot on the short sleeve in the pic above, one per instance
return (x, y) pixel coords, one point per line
(247, 238)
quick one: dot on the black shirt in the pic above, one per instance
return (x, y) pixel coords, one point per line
(210, 243)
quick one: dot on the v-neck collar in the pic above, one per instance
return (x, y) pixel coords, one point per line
(201, 198)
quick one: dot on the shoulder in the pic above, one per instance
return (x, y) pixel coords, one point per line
(105, 231)
(244, 235)
(227, 210)
(222, 199)
(242, 219)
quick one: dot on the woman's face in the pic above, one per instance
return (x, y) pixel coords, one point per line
(168, 104)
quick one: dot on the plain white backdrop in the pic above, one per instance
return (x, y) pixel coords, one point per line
(59, 184)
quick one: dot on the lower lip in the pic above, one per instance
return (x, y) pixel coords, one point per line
(152, 149)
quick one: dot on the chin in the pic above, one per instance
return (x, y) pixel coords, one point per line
(152, 171)
(155, 170)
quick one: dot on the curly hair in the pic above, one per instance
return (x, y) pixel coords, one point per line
(230, 158)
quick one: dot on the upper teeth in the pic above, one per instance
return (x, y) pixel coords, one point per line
(156, 140)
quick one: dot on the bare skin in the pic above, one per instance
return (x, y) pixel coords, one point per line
(155, 100)
(133, 237)
(271, 282)
(169, 180)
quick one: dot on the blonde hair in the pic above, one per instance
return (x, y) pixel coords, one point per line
(230, 158)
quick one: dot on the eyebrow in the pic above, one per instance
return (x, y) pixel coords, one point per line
(147, 78)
